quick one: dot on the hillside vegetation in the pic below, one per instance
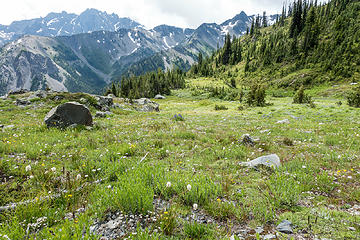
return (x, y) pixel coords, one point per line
(187, 171)
(310, 45)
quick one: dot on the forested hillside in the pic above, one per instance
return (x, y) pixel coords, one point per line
(309, 45)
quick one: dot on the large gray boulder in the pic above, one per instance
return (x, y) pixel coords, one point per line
(146, 105)
(68, 114)
(272, 161)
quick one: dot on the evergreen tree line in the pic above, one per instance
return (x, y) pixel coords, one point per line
(306, 33)
(149, 84)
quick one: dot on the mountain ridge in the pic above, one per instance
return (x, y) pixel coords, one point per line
(89, 61)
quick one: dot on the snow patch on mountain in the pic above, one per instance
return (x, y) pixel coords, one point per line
(52, 21)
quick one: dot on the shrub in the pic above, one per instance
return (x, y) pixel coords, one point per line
(220, 107)
(301, 97)
(354, 97)
(168, 222)
(256, 96)
(197, 230)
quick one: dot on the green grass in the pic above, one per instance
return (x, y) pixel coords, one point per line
(319, 169)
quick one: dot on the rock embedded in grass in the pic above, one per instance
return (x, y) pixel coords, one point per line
(272, 161)
(146, 105)
(22, 102)
(103, 114)
(68, 114)
(159, 97)
(285, 121)
(248, 140)
(285, 227)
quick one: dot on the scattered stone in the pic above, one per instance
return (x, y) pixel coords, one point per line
(22, 102)
(248, 140)
(104, 103)
(3, 97)
(259, 230)
(159, 97)
(68, 114)
(269, 237)
(103, 114)
(352, 229)
(285, 121)
(285, 227)
(38, 94)
(58, 98)
(146, 105)
(272, 161)
(9, 127)
(1, 126)
(355, 210)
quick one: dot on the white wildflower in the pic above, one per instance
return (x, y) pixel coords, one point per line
(109, 186)
(78, 177)
(53, 169)
(28, 168)
(195, 206)
(188, 187)
(168, 184)
(31, 177)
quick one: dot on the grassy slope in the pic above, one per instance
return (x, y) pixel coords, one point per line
(319, 177)
(327, 69)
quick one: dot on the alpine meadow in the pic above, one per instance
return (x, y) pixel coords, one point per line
(248, 129)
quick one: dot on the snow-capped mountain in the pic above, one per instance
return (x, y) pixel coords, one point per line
(87, 62)
(65, 24)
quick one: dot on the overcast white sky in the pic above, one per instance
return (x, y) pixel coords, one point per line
(181, 13)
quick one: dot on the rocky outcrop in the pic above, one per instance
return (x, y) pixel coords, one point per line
(146, 105)
(69, 114)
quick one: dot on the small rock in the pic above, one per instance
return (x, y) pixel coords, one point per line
(38, 94)
(103, 114)
(104, 103)
(285, 121)
(272, 161)
(248, 140)
(259, 230)
(159, 97)
(9, 127)
(1, 126)
(145, 105)
(22, 102)
(269, 237)
(352, 229)
(285, 227)
(58, 98)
